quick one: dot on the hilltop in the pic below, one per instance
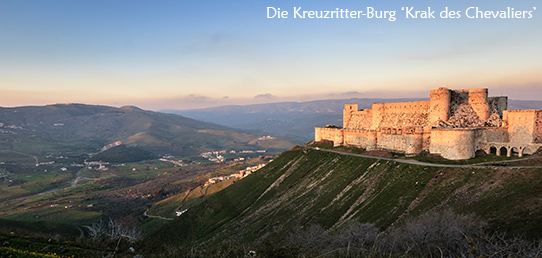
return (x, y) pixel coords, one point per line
(77, 128)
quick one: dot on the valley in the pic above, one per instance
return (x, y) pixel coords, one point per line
(67, 166)
(230, 190)
(82, 195)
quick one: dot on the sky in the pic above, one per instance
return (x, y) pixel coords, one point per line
(173, 54)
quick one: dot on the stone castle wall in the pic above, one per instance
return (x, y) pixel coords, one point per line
(361, 119)
(360, 138)
(453, 123)
(392, 139)
(402, 140)
(396, 115)
(538, 127)
(496, 134)
(453, 143)
(521, 125)
(330, 134)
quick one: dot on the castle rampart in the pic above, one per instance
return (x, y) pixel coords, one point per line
(453, 143)
(330, 134)
(522, 125)
(362, 138)
(453, 123)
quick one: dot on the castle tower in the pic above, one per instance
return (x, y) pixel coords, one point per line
(439, 105)
(347, 113)
(478, 102)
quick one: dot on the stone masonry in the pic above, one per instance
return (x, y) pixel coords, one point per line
(452, 123)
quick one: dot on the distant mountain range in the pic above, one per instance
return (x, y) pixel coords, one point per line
(287, 118)
(78, 128)
(297, 118)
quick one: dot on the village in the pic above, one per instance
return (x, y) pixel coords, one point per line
(218, 156)
(241, 174)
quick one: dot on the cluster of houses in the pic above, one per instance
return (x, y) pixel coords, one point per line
(241, 174)
(169, 158)
(269, 137)
(97, 165)
(217, 156)
(45, 163)
(251, 151)
(2, 125)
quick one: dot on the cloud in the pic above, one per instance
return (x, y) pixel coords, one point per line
(264, 96)
(377, 94)
(195, 98)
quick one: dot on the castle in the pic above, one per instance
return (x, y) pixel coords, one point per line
(453, 123)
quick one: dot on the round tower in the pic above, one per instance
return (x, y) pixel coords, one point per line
(478, 102)
(440, 105)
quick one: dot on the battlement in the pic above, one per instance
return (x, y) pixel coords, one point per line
(359, 130)
(453, 123)
(329, 128)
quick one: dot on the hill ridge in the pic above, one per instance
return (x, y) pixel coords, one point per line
(86, 128)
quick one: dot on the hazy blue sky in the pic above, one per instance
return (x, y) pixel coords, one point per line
(182, 54)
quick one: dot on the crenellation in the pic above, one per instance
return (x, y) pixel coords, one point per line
(453, 123)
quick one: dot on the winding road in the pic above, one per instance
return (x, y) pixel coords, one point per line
(156, 217)
(415, 162)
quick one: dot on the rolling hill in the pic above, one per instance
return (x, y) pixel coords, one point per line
(76, 128)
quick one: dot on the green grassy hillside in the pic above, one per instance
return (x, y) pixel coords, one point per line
(304, 187)
(74, 129)
(122, 154)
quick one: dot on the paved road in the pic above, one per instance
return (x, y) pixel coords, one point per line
(415, 162)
